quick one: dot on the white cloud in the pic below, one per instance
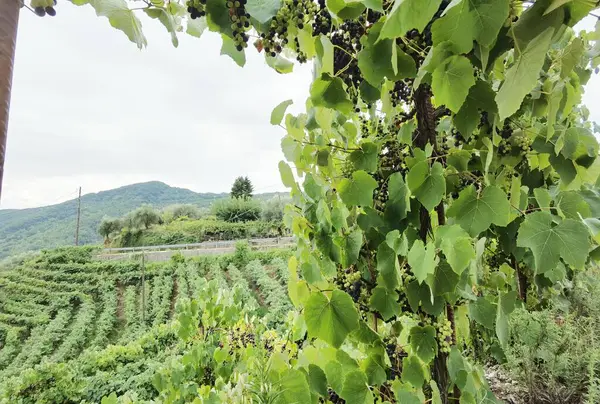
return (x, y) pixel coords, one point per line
(90, 109)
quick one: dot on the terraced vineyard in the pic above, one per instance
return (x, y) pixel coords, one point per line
(62, 311)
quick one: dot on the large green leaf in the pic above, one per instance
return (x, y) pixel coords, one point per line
(422, 260)
(262, 10)
(358, 191)
(481, 96)
(489, 17)
(375, 59)
(407, 15)
(294, 387)
(317, 379)
(346, 10)
(568, 240)
(356, 388)
(120, 17)
(423, 342)
(522, 76)
(229, 48)
(279, 112)
(476, 212)
(385, 301)
(451, 82)
(387, 265)
(167, 19)
(330, 318)
(328, 91)
(287, 177)
(427, 183)
(456, 246)
(365, 158)
(196, 27)
(483, 311)
(457, 27)
(398, 202)
(412, 371)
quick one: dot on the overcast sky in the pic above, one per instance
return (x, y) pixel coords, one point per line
(89, 109)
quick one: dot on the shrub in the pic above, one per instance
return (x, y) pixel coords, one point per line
(237, 210)
(181, 211)
(272, 210)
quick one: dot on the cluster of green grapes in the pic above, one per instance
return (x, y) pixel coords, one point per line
(524, 143)
(350, 280)
(43, 7)
(444, 334)
(196, 8)
(381, 193)
(292, 13)
(504, 147)
(241, 335)
(240, 22)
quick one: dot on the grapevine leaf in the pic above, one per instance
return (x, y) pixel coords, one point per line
(385, 302)
(481, 96)
(420, 296)
(457, 27)
(374, 366)
(294, 388)
(120, 17)
(444, 280)
(352, 244)
(262, 10)
(436, 397)
(406, 393)
(398, 202)
(330, 319)
(571, 57)
(358, 191)
(346, 10)
(228, 48)
(456, 246)
(475, 213)
(407, 15)
(483, 312)
(572, 204)
(569, 240)
(365, 158)
(451, 82)
(196, 27)
(533, 22)
(279, 112)
(412, 371)
(217, 17)
(356, 388)
(287, 177)
(580, 146)
(423, 343)
(522, 77)
(375, 59)
(427, 183)
(422, 260)
(317, 380)
(335, 375)
(489, 17)
(365, 334)
(167, 20)
(328, 91)
(280, 64)
(387, 266)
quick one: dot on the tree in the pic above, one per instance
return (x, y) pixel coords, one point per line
(273, 209)
(174, 212)
(445, 171)
(242, 188)
(9, 18)
(109, 226)
(237, 210)
(145, 216)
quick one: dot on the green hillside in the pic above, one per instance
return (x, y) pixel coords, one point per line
(24, 230)
(108, 326)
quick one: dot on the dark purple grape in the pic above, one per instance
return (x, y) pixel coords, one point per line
(40, 11)
(50, 11)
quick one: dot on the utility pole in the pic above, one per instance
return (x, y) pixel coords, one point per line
(78, 218)
(9, 18)
(143, 288)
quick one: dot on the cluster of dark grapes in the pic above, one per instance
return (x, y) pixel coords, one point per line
(240, 22)
(322, 22)
(395, 355)
(240, 336)
(196, 8)
(334, 398)
(345, 64)
(42, 8)
(426, 36)
(350, 281)
(401, 92)
(506, 131)
(208, 378)
(292, 13)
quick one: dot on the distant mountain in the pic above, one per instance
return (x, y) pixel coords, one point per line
(24, 230)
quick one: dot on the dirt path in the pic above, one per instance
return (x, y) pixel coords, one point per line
(174, 296)
(120, 302)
